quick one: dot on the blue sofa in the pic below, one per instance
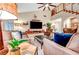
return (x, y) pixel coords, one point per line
(62, 38)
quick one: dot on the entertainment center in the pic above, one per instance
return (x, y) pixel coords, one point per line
(35, 26)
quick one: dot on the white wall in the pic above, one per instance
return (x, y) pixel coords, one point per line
(6, 34)
(67, 23)
(28, 16)
(58, 25)
(64, 19)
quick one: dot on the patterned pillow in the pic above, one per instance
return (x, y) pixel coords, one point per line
(73, 43)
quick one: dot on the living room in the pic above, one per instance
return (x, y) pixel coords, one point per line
(41, 28)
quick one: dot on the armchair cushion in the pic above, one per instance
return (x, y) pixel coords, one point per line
(73, 43)
(52, 48)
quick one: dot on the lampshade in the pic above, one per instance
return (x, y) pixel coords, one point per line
(8, 11)
(4, 15)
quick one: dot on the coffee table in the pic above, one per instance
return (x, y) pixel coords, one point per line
(26, 48)
(39, 38)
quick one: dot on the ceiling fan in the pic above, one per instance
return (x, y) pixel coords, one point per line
(46, 5)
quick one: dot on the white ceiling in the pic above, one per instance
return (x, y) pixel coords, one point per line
(28, 7)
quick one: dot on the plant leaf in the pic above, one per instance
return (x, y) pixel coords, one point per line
(15, 42)
(11, 45)
(21, 41)
(48, 24)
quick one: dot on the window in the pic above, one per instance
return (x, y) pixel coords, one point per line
(8, 25)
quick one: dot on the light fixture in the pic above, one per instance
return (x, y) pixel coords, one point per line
(8, 11)
(46, 5)
(4, 15)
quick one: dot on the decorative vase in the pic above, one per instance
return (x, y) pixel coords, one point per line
(15, 51)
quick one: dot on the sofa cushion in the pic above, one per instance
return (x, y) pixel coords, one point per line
(73, 43)
(62, 38)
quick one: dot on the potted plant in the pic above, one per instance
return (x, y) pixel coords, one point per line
(15, 49)
(48, 30)
(49, 25)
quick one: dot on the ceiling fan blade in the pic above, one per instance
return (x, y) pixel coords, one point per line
(52, 5)
(49, 3)
(49, 8)
(40, 7)
(40, 3)
(44, 8)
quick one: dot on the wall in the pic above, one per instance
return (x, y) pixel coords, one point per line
(57, 25)
(67, 23)
(64, 19)
(6, 34)
(25, 17)
(28, 16)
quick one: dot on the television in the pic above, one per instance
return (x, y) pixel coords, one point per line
(35, 25)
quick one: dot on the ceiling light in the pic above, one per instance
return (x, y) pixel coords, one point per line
(46, 5)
